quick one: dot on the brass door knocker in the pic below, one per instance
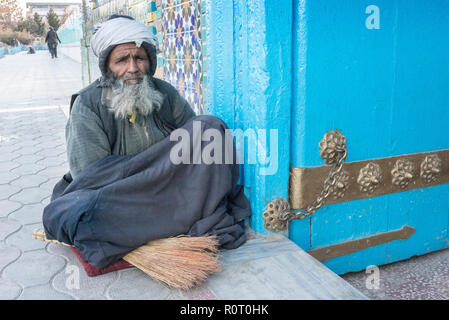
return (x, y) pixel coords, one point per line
(333, 150)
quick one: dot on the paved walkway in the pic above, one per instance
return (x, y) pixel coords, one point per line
(424, 277)
(34, 91)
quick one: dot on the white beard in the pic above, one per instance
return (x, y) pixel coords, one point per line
(125, 98)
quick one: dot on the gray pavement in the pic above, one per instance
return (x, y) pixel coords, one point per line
(423, 277)
(34, 95)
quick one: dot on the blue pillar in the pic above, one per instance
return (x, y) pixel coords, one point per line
(249, 48)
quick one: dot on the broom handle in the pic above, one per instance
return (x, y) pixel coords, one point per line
(39, 234)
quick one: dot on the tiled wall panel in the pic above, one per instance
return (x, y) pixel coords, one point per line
(182, 49)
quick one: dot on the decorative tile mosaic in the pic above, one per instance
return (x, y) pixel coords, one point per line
(182, 48)
(202, 54)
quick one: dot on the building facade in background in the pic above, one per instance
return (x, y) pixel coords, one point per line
(60, 8)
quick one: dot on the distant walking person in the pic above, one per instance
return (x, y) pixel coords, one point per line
(52, 41)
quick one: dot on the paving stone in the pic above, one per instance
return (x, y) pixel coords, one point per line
(30, 195)
(11, 119)
(8, 156)
(29, 168)
(201, 292)
(43, 141)
(29, 150)
(30, 180)
(8, 166)
(58, 127)
(63, 157)
(7, 190)
(30, 133)
(7, 227)
(28, 214)
(136, 285)
(46, 201)
(27, 143)
(60, 250)
(419, 278)
(7, 206)
(43, 292)
(52, 144)
(8, 149)
(52, 161)
(89, 287)
(54, 172)
(7, 255)
(25, 159)
(23, 240)
(34, 268)
(11, 128)
(50, 184)
(10, 140)
(7, 177)
(45, 136)
(40, 119)
(9, 290)
(53, 152)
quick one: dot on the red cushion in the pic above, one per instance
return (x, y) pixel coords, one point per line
(94, 271)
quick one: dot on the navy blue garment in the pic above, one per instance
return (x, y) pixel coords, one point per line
(121, 202)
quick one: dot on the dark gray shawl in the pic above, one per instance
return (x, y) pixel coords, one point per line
(121, 202)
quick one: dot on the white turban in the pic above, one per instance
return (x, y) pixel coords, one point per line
(120, 30)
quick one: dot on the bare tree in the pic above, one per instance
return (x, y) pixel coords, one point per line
(67, 13)
(10, 13)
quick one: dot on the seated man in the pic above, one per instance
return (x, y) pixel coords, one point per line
(125, 189)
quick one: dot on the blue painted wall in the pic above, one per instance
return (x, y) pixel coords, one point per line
(309, 66)
(249, 86)
(14, 50)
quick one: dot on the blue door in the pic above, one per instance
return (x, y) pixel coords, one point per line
(378, 71)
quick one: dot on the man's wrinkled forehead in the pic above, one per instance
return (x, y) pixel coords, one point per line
(127, 49)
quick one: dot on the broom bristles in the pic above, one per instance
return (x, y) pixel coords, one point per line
(180, 262)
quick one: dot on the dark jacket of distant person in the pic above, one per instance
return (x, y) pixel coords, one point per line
(52, 36)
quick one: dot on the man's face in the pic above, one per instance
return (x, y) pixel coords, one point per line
(129, 61)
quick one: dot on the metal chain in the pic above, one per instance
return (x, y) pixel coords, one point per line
(328, 185)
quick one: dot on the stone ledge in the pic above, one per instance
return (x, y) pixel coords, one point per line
(273, 267)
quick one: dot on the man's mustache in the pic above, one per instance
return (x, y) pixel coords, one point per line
(139, 76)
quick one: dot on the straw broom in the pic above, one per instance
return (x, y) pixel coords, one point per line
(180, 262)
